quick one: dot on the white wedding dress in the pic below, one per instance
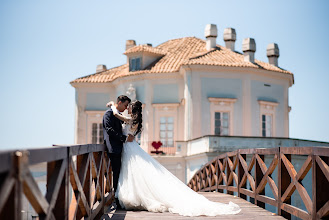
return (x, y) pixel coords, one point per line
(144, 184)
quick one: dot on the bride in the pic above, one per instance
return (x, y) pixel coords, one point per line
(144, 184)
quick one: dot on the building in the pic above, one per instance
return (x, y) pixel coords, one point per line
(190, 88)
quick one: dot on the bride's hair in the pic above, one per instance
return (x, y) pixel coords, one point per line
(136, 113)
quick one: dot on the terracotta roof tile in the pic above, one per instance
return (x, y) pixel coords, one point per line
(145, 48)
(177, 52)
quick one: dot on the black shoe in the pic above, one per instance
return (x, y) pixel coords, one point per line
(119, 207)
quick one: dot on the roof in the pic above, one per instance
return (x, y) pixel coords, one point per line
(178, 52)
(145, 48)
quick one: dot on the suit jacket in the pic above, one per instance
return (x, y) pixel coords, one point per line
(112, 130)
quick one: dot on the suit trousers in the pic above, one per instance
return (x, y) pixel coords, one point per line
(116, 166)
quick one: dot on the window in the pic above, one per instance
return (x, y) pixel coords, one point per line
(167, 131)
(97, 133)
(267, 125)
(221, 116)
(165, 126)
(222, 123)
(135, 63)
(267, 118)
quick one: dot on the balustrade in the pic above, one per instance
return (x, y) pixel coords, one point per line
(232, 171)
(84, 168)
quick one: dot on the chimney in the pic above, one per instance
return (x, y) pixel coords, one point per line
(130, 44)
(100, 68)
(249, 49)
(229, 38)
(273, 54)
(211, 34)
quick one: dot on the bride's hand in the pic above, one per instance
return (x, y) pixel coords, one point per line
(130, 138)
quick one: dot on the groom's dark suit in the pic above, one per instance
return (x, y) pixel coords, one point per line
(114, 139)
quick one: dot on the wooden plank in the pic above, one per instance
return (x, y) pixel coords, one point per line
(248, 211)
(266, 151)
(40, 155)
(240, 176)
(323, 166)
(304, 169)
(289, 191)
(324, 211)
(34, 195)
(6, 189)
(295, 211)
(56, 191)
(76, 185)
(297, 150)
(87, 148)
(321, 191)
(305, 197)
(260, 169)
(289, 167)
(266, 199)
(284, 181)
(266, 178)
(321, 151)
(247, 169)
(247, 192)
(247, 151)
(10, 206)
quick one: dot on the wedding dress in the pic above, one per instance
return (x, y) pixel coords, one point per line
(144, 184)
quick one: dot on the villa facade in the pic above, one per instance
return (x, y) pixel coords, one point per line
(190, 88)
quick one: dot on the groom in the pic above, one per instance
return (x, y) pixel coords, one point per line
(114, 139)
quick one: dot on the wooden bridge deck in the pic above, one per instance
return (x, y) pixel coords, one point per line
(249, 211)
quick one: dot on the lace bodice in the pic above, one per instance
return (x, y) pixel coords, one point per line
(128, 128)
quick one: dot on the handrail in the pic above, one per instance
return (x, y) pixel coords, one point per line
(231, 171)
(86, 168)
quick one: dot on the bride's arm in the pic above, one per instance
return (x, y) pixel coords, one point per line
(116, 113)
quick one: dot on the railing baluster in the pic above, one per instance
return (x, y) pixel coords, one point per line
(284, 181)
(289, 180)
(240, 175)
(258, 178)
(321, 176)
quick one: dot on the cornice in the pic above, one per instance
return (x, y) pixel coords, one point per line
(249, 70)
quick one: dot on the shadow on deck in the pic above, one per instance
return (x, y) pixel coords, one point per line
(249, 211)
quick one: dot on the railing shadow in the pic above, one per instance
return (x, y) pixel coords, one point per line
(114, 214)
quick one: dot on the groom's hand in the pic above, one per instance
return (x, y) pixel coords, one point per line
(130, 138)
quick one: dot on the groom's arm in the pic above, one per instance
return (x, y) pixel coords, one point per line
(108, 125)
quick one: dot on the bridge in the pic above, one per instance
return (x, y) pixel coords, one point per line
(79, 183)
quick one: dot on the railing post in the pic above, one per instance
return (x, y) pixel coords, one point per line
(320, 190)
(228, 173)
(13, 208)
(83, 170)
(258, 178)
(283, 181)
(54, 168)
(101, 180)
(240, 175)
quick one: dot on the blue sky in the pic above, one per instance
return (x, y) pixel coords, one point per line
(46, 44)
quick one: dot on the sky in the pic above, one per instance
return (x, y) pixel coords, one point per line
(46, 44)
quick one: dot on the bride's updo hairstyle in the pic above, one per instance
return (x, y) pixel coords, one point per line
(136, 113)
